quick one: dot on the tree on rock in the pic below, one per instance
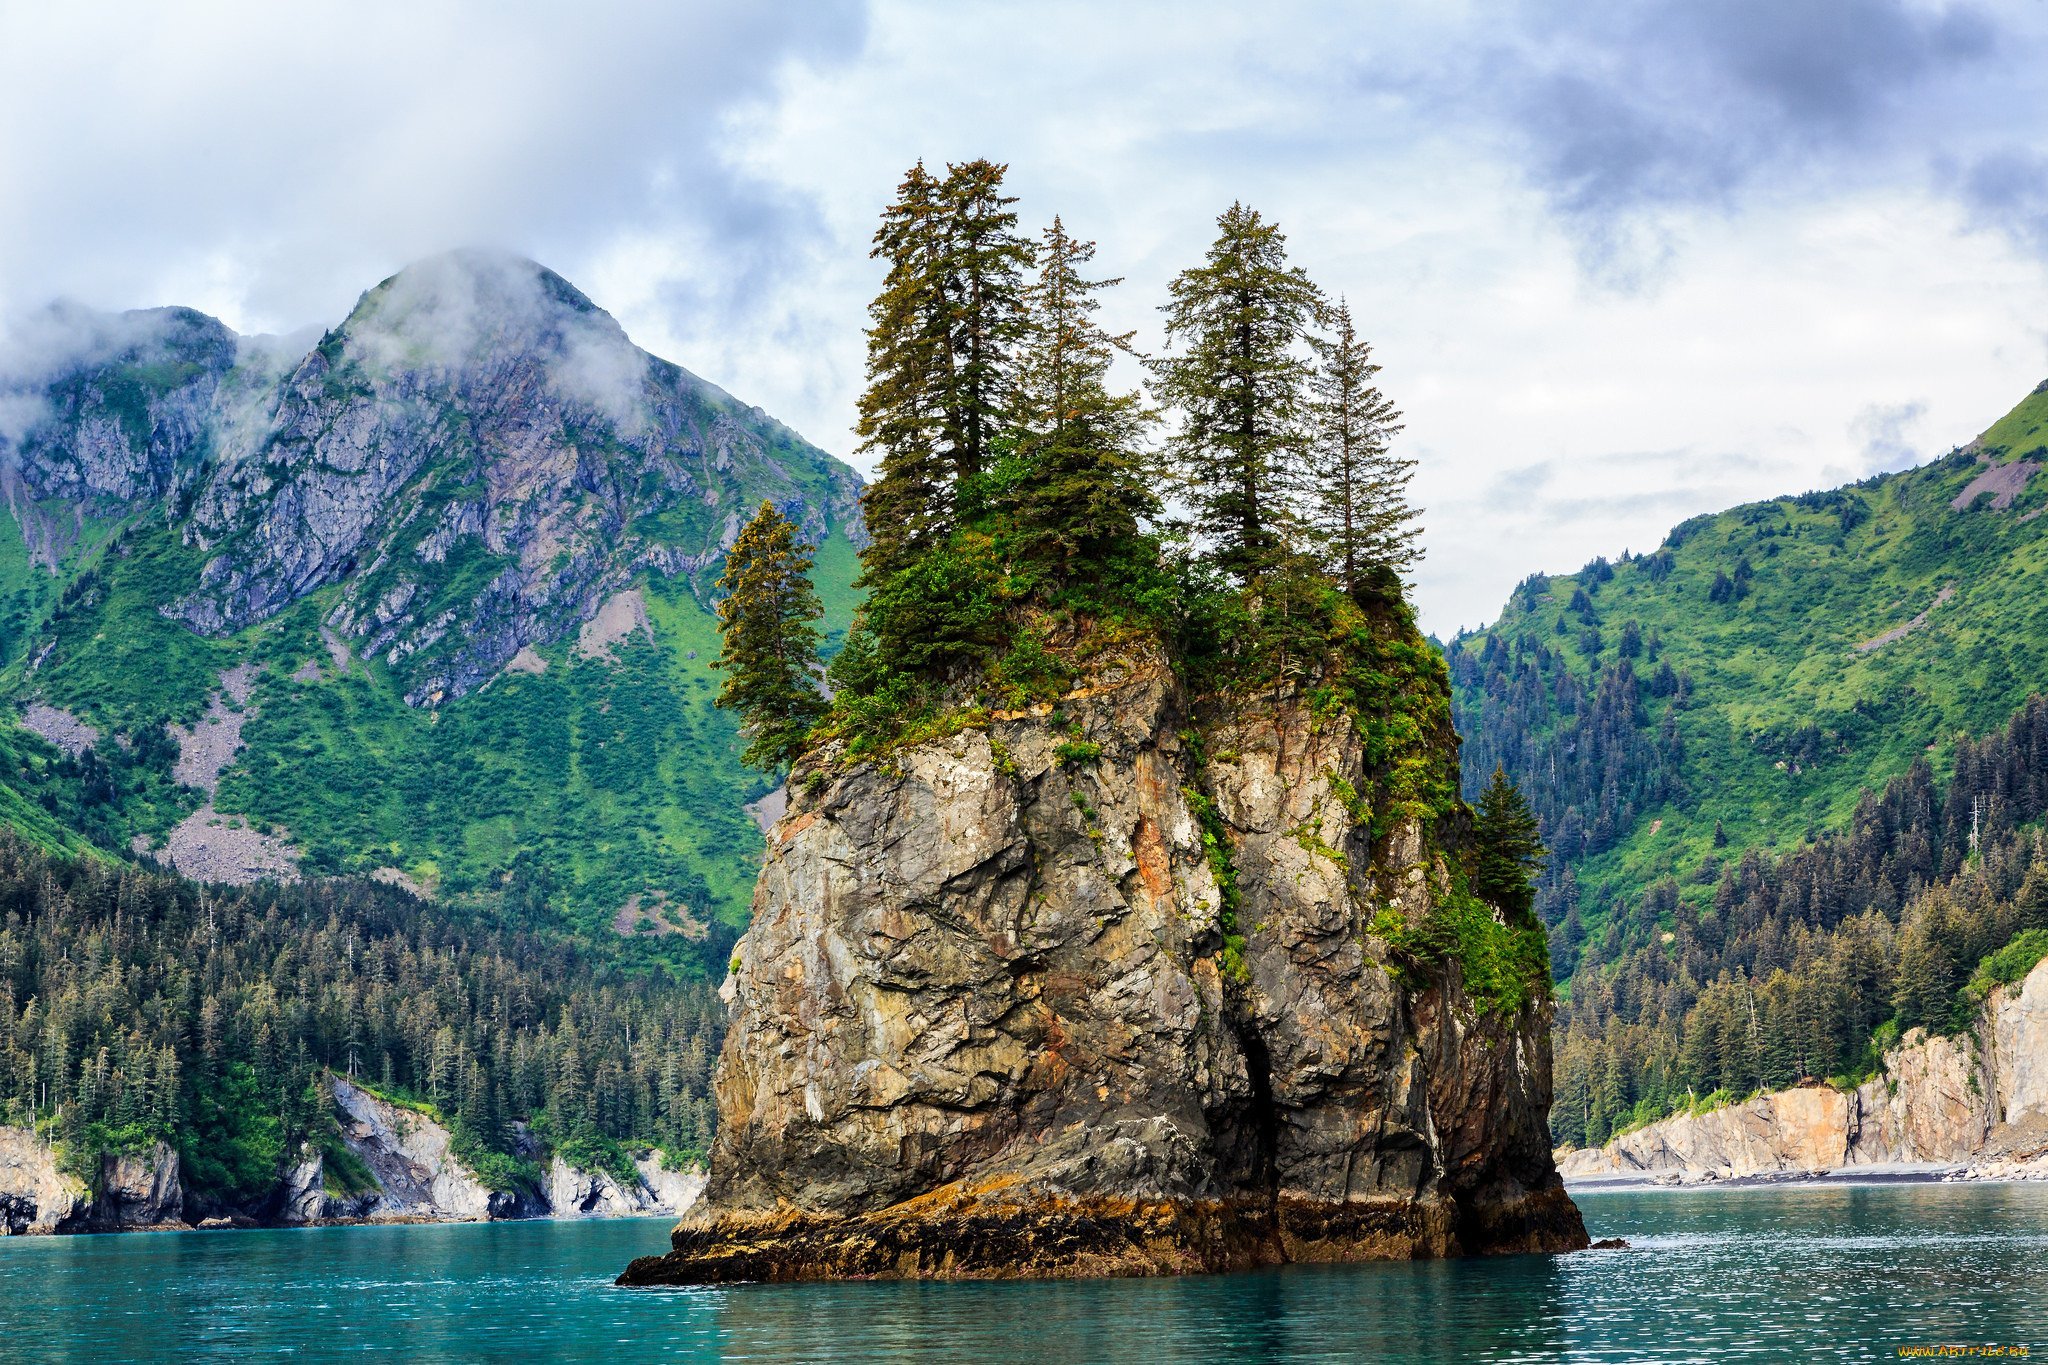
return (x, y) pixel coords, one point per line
(1508, 845)
(983, 261)
(1081, 487)
(1355, 486)
(1240, 386)
(903, 409)
(770, 656)
(942, 340)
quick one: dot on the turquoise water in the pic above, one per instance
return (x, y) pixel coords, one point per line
(1829, 1273)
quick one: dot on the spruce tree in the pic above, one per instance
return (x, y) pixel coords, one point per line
(942, 340)
(1239, 385)
(1082, 488)
(1508, 847)
(1355, 486)
(903, 411)
(771, 644)
(983, 262)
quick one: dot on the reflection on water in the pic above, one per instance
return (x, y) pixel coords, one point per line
(1834, 1273)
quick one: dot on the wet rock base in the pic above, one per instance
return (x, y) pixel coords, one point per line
(999, 1233)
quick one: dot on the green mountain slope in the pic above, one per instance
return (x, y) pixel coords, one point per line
(429, 599)
(1743, 685)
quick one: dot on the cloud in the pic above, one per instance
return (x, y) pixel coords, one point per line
(1881, 429)
(2007, 190)
(1624, 110)
(46, 342)
(264, 161)
(1624, 262)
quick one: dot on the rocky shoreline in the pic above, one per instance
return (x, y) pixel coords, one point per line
(1973, 1106)
(414, 1178)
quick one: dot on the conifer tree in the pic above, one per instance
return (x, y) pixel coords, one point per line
(1355, 486)
(983, 264)
(771, 644)
(1508, 845)
(903, 409)
(1240, 387)
(942, 340)
(1082, 487)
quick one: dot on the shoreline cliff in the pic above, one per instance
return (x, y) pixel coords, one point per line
(1969, 1106)
(400, 1168)
(1111, 986)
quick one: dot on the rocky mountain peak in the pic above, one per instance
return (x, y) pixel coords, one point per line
(472, 462)
(108, 406)
(472, 316)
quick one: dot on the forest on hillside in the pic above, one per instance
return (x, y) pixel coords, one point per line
(137, 1007)
(1808, 965)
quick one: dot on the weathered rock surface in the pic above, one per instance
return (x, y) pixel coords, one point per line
(417, 1179)
(138, 1189)
(986, 1021)
(571, 1193)
(1942, 1104)
(34, 1195)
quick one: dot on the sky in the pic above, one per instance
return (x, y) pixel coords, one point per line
(1622, 262)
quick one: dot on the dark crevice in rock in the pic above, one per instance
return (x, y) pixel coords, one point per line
(1261, 1126)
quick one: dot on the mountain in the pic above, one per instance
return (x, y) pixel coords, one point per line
(426, 598)
(1792, 768)
(1745, 684)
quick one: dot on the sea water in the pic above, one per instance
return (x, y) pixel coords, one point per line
(1775, 1273)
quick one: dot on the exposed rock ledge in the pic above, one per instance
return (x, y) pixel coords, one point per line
(417, 1179)
(986, 1022)
(1972, 1106)
(136, 1190)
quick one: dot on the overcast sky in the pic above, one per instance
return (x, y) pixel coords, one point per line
(1623, 262)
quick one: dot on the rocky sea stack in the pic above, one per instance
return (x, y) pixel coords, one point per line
(1125, 918)
(1129, 983)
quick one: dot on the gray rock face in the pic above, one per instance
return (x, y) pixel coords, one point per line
(989, 1020)
(1971, 1105)
(571, 1193)
(34, 1195)
(139, 1189)
(118, 407)
(478, 455)
(418, 1176)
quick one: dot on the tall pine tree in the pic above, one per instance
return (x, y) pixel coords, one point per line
(903, 410)
(1240, 386)
(942, 340)
(1082, 488)
(984, 260)
(770, 657)
(1355, 486)
(1508, 847)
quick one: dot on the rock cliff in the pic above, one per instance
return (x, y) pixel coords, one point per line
(1971, 1105)
(1096, 990)
(413, 1177)
(134, 1189)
